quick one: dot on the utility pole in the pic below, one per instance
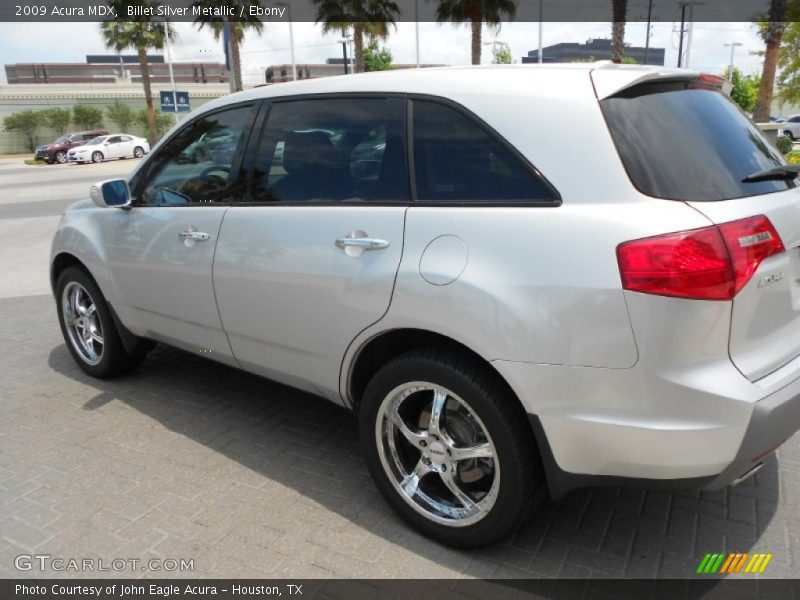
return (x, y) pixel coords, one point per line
(733, 46)
(416, 28)
(680, 39)
(171, 74)
(684, 5)
(647, 38)
(541, 16)
(343, 42)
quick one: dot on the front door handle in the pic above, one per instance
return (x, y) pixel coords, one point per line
(363, 243)
(195, 236)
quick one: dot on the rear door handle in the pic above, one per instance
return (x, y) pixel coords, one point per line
(195, 236)
(363, 242)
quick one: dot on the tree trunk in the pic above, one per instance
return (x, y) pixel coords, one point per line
(765, 89)
(619, 9)
(148, 98)
(236, 40)
(358, 47)
(477, 25)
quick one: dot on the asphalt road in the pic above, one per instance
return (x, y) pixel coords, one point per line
(32, 200)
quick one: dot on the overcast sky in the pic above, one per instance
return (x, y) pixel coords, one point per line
(447, 44)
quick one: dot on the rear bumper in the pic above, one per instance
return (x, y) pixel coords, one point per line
(774, 420)
(626, 427)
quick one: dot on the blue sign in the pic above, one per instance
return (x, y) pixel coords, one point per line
(168, 104)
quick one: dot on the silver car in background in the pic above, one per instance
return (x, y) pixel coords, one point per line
(509, 313)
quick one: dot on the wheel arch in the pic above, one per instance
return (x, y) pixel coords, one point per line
(380, 348)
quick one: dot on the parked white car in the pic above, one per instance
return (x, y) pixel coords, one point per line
(105, 147)
(790, 127)
(508, 312)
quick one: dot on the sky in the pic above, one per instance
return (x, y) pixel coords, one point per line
(439, 43)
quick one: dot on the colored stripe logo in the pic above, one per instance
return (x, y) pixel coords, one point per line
(734, 562)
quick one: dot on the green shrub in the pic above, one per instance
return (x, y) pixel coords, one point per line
(793, 157)
(87, 117)
(785, 145)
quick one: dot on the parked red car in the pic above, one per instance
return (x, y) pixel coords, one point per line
(57, 151)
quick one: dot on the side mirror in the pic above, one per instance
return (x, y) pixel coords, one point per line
(113, 193)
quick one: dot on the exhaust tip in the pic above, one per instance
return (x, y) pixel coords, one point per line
(747, 475)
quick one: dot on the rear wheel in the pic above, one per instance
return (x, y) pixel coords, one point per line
(88, 327)
(138, 152)
(449, 449)
(97, 156)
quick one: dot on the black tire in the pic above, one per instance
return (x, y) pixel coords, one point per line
(521, 482)
(114, 360)
(97, 156)
(61, 157)
(138, 152)
(788, 134)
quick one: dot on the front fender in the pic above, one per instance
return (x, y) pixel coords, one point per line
(80, 235)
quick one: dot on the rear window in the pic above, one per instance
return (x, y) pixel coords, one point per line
(681, 143)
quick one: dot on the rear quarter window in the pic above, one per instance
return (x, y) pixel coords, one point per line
(688, 144)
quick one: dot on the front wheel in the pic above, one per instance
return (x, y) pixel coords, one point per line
(61, 157)
(788, 134)
(97, 157)
(88, 327)
(449, 448)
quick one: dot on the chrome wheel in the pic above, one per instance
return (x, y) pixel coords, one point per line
(82, 322)
(138, 152)
(437, 454)
(97, 157)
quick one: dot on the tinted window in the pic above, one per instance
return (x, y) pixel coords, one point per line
(456, 159)
(192, 168)
(333, 150)
(689, 144)
(114, 139)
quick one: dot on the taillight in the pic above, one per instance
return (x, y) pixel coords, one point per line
(712, 263)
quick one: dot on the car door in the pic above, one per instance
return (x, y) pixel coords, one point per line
(310, 259)
(110, 147)
(125, 146)
(160, 252)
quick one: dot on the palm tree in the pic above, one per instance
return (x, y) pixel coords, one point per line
(477, 12)
(238, 28)
(141, 34)
(772, 33)
(370, 18)
(619, 10)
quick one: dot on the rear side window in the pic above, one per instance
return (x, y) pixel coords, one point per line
(333, 150)
(681, 143)
(458, 160)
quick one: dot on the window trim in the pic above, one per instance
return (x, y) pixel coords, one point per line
(146, 173)
(255, 142)
(556, 200)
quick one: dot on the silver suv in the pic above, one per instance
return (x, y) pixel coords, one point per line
(513, 303)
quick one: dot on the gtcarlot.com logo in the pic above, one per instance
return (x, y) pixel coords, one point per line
(734, 562)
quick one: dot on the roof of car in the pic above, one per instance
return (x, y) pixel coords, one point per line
(472, 79)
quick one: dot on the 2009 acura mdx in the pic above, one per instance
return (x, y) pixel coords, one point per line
(512, 302)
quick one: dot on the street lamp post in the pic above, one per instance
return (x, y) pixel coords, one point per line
(171, 74)
(733, 46)
(541, 45)
(291, 37)
(344, 41)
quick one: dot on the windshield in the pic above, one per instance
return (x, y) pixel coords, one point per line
(95, 141)
(681, 143)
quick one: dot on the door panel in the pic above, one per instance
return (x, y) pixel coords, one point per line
(291, 301)
(162, 282)
(312, 260)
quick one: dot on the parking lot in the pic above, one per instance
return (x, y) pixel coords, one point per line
(187, 459)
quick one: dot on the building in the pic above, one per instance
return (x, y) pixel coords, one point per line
(331, 67)
(111, 68)
(593, 49)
